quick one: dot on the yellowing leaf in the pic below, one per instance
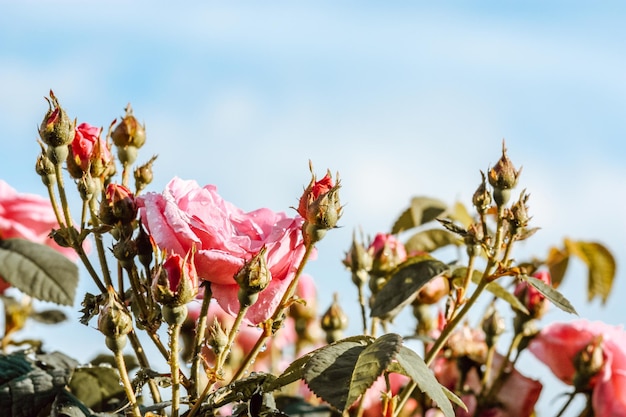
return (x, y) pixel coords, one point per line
(601, 264)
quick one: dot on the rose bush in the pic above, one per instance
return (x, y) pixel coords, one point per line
(559, 344)
(188, 217)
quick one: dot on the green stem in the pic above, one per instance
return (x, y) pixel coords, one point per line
(144, 363)
(363, 312)
(221, 358)
(128, 388)
(100, 245)
(174, 366)
(280, 309)
(198, 341)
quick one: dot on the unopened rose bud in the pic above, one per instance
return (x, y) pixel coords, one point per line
(217, 338)
(320, 207)
(56, 128)
(518, 216)
(473, 239)
(359, 261)
(87, 187)
(387, 253)
(125, 252)
(114, 321)
(493, 326)
(503, 177)
(143, 174)
(587, 363)
(145, 247)
(45, 168)
(534, 301)
(118, 205)
(334, 321)
(175, 283)
(482, 198)
(253, 277)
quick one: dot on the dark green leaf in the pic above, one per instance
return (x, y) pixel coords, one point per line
(422, 210)
(49, 316)
(29, 384)
(293, 373)
(38, 270)
(240, 390)
(601, 264)
(328, 373)
(297, 407)
(372, 363)
(551, 294)
(417, 370)
(108, 359)
(451, 226)
(98, 387)
(430, 240)
(403, 284)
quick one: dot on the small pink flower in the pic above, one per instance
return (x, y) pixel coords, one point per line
(30, 217)
(558, 345)
(88, 150)
(187, 216)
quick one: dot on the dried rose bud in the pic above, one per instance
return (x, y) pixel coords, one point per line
(320, 207)
(217, 337)
(118, 205)
(493, 326)
(334, 321)
(482, 198)
(253, 277)
(503, 177)
(129, 132)
(587, 363)
(175, 283)
(145, 247)
(114, 321)
(387, 253)
(143, 174)
(531, 298)
(56, 128)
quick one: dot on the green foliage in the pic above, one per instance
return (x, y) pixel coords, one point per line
(601, 266)
(430, 240)
(403, 284)
(38, 271)
(98, 387)
(551, 294)
(422, 210)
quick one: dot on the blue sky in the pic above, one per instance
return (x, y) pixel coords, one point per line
(402, 98)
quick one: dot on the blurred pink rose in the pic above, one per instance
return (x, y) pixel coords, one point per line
(27, 216)
(188, 216)
(558, 344)
(387, 252)
(516, 397)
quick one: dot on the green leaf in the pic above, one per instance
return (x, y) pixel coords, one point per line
(453, 227)
(460, 214)
(372, 363)
(422, 210)
(551, 294)
(419, 372)
(240, 390)
(430, 240)
(98, 387)
(293, 373)
(49, 316)
(454, 399)
(328, 373)
(403, 284)
(38, 270)
(601, 264)
(557, 263)
(29, 384)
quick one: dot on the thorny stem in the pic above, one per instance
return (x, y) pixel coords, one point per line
(174, 366)
(144, 363)
(363, 312)
(466, 280)
(99, 245)
(569, 401)
(503, 371)
(198, 340)
(282, 306)
(65, 206)
(55, 205)
(488, 363)
(221, 358)
(130, 394)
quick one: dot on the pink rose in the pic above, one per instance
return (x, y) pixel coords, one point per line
(558, 345)
(387, 252)
(187, 216)
(27, 216)
(88, 151)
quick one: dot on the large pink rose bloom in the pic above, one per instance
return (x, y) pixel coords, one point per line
(27, 216)
(188, 216)
(558, 344)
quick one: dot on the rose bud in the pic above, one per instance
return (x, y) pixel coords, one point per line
(533, 300)
(320, 207)
(89, 152)
(128, 136)
(45, 168)
(481, 198)
(114, 321)
(387, 252)
(176, 282)
(56, 128)
(253, 277)
(217, 337)
(143, 174)
(503, 177)
(118, 205)
(519, 217)
(493, 326)
(587, 363)
(359, 261)
(334, 321)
